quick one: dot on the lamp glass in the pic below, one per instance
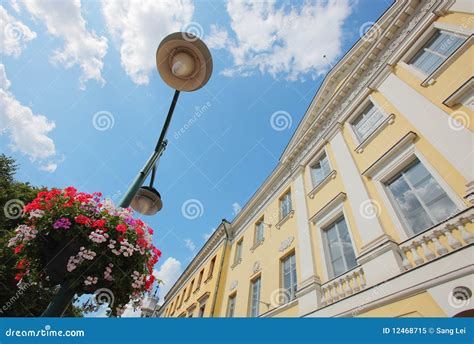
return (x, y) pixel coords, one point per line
(183, 65)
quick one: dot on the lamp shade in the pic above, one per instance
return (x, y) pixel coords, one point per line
(147, 201)
(184, 61)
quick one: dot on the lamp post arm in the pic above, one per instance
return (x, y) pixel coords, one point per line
(160, 147)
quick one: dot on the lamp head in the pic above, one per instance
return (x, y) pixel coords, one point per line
(184, 61)
(147, 201)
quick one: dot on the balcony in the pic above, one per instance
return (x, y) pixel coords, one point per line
(438, 241)
(343, 286)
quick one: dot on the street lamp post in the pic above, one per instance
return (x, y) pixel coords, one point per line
(185, 63)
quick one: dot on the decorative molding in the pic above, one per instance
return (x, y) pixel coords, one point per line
(233, 285)
(203, 298)
(389, 120)
(319, 186)
(457, 96)
(256, 267)
(286, 243)
(409, 138)
(283, 220)
(339, 198)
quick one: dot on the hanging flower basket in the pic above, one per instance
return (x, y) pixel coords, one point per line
(88, 242)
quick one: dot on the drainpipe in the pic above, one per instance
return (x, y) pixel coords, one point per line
(226, 225)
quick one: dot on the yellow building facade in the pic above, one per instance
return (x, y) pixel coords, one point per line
(370, 209)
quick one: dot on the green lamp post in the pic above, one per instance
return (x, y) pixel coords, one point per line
(185, 63)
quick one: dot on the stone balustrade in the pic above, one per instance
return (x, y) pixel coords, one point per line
(437, 241)
(339, 288)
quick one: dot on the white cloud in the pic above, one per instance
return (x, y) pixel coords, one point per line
(13, 34)
(190, 244)
(63, 19)
(168, 272)
(138, 27)
(28, 131)
(206, 236)
(218, 38)
(287, 41)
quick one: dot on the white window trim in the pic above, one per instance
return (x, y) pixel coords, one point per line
(316, 157)
(425, 79)
(388, 119)
(282, 273)
(392, 167)
(322, 223)
(464, 95)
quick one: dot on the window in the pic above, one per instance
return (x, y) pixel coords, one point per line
(419, 198)
(202, 308)
(368, 120)
(178, 302)
(288, 271)
(259, 227)
(201, 275)
(320, 169)
(231, 306)
(339, 250)
(255, 297)
(211, 268)
(436, 51)
(238, 251)
(285, 205)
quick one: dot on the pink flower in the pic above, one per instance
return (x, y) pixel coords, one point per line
(63, 222)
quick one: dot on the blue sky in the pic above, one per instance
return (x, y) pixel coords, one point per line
(71, 68)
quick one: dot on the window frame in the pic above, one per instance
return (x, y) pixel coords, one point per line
(327, 218)
(212, 266)
(317, 159)
(259, 224)
(387, 168)
(232, 297)
(280, 202)
(238, 251)
(360, 144)
(426, 80)
(331, 273)
(294, 284)
(251, 298)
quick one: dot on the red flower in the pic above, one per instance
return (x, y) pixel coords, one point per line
(70, 191)
(121, 228)
(83, 220)
(150, 231)
(140, 231)
(22, 264)
(98, 223)
(18, 249)
(149, 282)
(19, 276)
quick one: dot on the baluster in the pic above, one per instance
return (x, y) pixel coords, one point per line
(349, 287)
(467, 236)
(363, 282)
(323, 296)
(356, 281)
(452, 241)
(416, 257)
(426, 249)
(440, 249)
(339, 291)
(330, 298)
(406, 263)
